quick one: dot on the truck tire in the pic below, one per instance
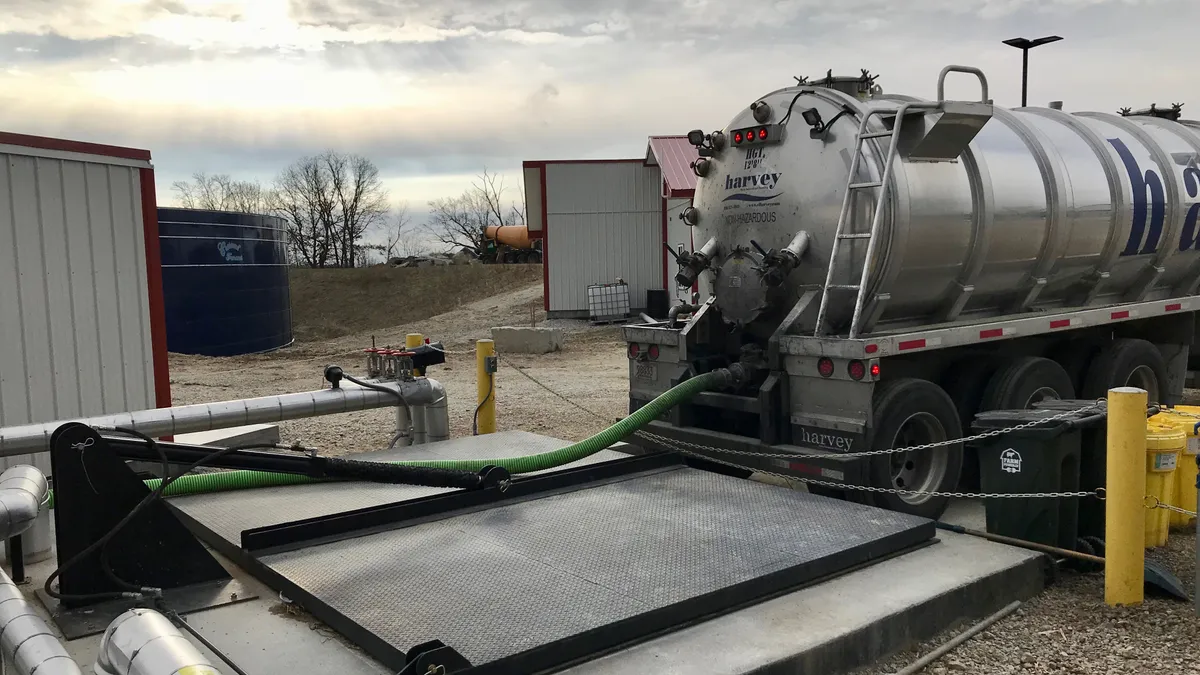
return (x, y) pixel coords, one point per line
(909, 412)
(965, 382)
(1024, 381)
(1074, 356)
(1127, 362)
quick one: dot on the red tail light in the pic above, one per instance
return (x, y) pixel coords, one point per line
(652, 352)
(857, 370)
(874, 370)
(825, 367)
(737, 138)
(634, 350)
(762, 134)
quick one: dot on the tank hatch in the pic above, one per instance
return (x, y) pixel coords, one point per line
(1173, 112)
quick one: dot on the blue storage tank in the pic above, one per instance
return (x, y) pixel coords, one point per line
(225, 282)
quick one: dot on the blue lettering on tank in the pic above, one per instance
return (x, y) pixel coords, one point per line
(1191, 182)
(1156, 203)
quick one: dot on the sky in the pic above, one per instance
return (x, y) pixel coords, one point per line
(435, 91)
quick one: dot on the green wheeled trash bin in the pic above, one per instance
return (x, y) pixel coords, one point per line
(1038, 460)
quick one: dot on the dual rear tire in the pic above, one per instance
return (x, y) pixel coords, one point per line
(912, 412)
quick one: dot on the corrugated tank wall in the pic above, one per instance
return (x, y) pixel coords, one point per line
(75, 317)
(603, 221)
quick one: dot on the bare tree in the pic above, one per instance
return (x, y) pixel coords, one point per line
(329, 201)
(220, 192)
(399, 236)
(461, 221)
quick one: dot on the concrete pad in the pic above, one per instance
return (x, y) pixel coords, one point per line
(847, 622)
(525, 340)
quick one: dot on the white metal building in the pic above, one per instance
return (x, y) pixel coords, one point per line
(601, 220)
(82, 328)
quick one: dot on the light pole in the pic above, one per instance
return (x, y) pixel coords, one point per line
(1025, 44)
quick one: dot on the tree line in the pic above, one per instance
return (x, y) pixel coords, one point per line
(332, 201)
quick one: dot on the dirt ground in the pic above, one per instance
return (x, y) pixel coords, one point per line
(1066, 630)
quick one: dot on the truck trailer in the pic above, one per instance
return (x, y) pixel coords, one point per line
(888, 267)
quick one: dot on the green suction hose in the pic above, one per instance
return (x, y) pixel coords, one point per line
(243, 479)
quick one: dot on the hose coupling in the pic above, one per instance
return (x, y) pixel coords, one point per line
(692, 264)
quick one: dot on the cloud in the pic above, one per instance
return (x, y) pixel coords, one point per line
(436, 90)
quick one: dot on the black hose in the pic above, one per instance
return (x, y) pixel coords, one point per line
(386, 390)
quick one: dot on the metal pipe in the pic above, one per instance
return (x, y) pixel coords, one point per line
(27, 642)
(404, 428)
(144, 642)
(676, 310)
(157, 422)
(798, 245)
(437, 413)
(962, 637)
(419, 436)
(23, 493)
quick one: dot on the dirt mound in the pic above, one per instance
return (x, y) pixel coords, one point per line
(330, 303)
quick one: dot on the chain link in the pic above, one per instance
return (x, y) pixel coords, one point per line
(873, 453)
(1159, 504)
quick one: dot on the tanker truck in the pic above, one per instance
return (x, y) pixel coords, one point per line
(886, 267)
(510, 244)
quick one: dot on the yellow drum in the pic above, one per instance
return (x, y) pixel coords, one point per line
(1186, 417)
(1165, 442)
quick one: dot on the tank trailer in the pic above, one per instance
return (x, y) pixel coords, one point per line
(887, 267)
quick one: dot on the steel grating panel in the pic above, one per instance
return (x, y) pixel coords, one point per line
(533, 585)
(226, 514)
(515, 581)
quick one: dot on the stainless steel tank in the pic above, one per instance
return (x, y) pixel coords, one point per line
(1042, 209)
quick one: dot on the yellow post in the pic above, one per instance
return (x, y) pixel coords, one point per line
(485, 387)
(1164, 443)
(414, 340)
(1124, 522)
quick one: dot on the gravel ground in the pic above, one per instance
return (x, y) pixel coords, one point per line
(591, 369)
(1066, 630)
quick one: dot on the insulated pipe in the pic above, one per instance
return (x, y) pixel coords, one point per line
(419, 436)
(437, 413)
(144, 642)
(157, 422)
(23, 491)
(27, 642)
(404, 427)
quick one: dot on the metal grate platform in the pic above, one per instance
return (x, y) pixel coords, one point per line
(533, 585)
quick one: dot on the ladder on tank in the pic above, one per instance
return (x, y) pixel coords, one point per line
(935, 147)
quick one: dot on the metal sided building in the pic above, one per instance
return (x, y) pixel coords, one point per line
(82, 328)
(604, 219)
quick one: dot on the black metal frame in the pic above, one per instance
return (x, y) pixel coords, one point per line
(258, 543)
(299, 534)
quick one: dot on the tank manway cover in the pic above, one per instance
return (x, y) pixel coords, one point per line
(526, 586)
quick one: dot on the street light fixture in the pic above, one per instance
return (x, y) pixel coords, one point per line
(1025, 44)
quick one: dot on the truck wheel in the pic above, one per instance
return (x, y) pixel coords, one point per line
(1074, 356)
(1127, 362)
(965, 382)
(909, 412)
(1024, 381)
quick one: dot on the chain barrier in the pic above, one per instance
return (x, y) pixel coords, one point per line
(682, 447)
(1159, 504)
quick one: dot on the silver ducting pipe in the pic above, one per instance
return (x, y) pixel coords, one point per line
(144, 642)
(27, 642)
(23, 492)
(156, 422)
(404, 427)
(437, 413)
(419, 436)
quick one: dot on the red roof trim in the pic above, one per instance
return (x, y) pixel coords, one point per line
(158, 317)
(61, 145)
(543, 162)
(545, 244)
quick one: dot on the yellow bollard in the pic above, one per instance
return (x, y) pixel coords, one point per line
(485, 387)
(1124, 524)
(1185, 417)
(415, 340)
(1164, 443)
